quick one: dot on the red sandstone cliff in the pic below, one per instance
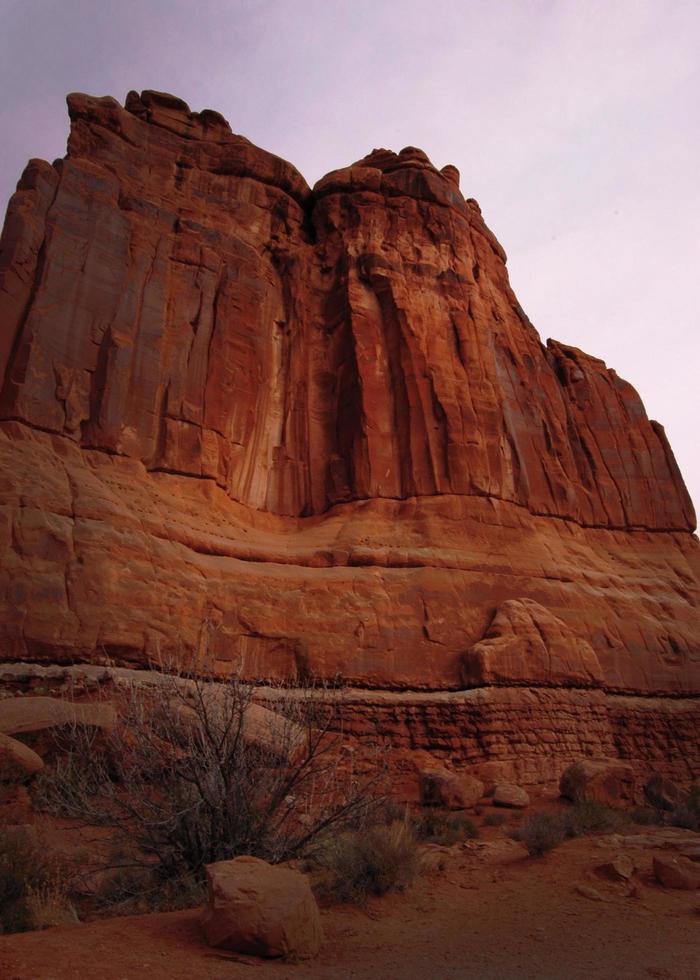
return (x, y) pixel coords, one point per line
(317, 426)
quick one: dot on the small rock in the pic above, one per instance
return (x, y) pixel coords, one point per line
(621, 868)
(257, 908)
(676, 872)
(588, 892)
(434, 857)
(510, 795)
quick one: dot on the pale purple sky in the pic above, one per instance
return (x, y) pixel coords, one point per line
(574, 123)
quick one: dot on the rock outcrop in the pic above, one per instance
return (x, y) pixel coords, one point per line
(315, 431)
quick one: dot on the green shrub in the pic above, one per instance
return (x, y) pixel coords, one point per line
(354, 866)
(139, 890)
(589, 816)
(495, 819)
(440, 827)
(540, 832)
(645, 816)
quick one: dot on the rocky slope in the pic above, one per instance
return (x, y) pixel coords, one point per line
(315, 431)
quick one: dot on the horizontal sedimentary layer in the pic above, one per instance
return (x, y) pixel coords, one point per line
(530, 735)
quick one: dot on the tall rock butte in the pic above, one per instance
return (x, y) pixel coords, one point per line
(315, 430)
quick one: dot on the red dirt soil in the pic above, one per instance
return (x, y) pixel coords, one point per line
(491, 914)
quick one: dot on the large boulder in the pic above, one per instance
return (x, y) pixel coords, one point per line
(455, 791)
(257, 908)
(602, 780)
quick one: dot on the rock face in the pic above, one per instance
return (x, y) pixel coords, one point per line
(314, 430)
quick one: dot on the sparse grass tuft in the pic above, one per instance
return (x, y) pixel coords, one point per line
(48, 904)
(589, 817)
(139, 890)
(495, 819)
(438, 827)
(32, 883)
(541, 831)
(354, 866)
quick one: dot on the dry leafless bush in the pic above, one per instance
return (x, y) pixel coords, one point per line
(198, 772)
(438, 827)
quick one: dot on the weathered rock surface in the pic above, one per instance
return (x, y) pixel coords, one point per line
(34, 714)
(502, 734)
(315, 430)
(668, 838)
(526, 642)
(255, 907)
